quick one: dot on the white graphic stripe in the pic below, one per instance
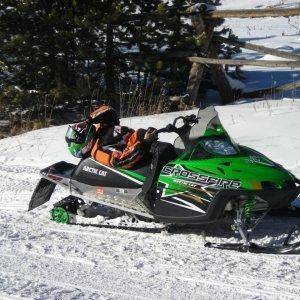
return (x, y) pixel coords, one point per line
(118, 172)
(186, 204)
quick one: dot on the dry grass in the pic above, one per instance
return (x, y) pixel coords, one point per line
(138, 101)
(142, 101)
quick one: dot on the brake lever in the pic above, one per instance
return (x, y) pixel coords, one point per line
(168, 128)
(178, 118)
(171, 127)
(192, 119)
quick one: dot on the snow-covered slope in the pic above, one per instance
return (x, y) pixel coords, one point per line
(277, 33)
(238, 4)
(44, 260)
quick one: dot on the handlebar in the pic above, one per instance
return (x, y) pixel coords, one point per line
(187, 122)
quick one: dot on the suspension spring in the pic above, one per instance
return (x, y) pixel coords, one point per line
(248, 208)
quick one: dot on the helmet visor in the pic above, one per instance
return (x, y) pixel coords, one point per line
(74, 136)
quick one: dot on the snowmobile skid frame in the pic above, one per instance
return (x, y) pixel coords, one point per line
(65, 211)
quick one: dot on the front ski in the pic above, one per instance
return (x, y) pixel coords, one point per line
(284, 248)
(255, 248)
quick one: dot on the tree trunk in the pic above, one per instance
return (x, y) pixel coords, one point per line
(197, 70)
(109, 66)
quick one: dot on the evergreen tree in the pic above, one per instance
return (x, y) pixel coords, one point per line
(72, 49)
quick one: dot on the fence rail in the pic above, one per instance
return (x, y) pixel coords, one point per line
(258, 48)
(253, 13)
(245, 62)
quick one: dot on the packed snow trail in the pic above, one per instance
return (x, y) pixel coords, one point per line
(41, 259)
(61, 261)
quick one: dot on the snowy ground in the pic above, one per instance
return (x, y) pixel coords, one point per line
(45, 260)
(277, 33)
(41, 259)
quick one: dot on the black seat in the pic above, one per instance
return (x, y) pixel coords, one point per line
(143, 167)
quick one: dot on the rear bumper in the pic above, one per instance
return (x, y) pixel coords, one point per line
(58, 171)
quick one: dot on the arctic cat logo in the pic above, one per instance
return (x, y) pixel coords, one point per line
(200, 178)
(94, 171)
(257, 160)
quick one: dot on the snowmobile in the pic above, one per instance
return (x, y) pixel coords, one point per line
(212, 177)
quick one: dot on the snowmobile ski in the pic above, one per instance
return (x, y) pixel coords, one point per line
(284, 248)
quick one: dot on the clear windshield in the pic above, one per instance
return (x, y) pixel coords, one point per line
(207, 118)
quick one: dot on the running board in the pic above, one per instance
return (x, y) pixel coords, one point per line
(143, 212)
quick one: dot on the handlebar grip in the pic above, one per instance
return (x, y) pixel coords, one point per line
(192, 119)
(168, 128)
(160, 130)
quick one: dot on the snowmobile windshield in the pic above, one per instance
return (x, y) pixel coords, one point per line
(208, 125)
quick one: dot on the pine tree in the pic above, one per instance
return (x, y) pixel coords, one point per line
(46, 43)
(73, 49)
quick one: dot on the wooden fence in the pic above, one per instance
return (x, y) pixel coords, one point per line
(204, 28)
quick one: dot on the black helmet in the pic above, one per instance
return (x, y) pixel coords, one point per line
(105, 115)
(80, 138)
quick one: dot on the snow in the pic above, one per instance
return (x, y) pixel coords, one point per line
(44, 260)
(278, 33)
(235, 84)
(41, 259)
(237, 4)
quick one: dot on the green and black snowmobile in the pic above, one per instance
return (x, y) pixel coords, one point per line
(212, 177)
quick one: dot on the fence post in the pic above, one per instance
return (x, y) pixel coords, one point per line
(220, 79)
(196, 73)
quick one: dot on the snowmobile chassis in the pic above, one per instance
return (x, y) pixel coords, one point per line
(68, 208)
